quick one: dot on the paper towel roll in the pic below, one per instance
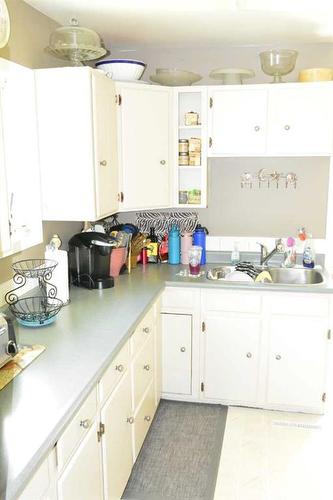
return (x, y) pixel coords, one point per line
(60, 273)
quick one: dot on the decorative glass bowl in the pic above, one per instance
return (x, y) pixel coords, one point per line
(278, 62)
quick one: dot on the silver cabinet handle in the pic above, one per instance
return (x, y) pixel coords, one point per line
(85, 423)
(147, 418)
(130, 420)
(120, 368)
(249, 355)
(162, 162)
(146, 367)
(146, 329)
(287, 127)
(257, 128)
(182, 349)
(278, 357)
(103, 163)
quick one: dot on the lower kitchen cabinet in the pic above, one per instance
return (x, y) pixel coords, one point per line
(297, 361)
(267, 350)
(116, 415)
(176, 353)
(82, 478)
(143, 418)
(231, 357)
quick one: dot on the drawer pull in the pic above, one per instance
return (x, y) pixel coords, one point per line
(182, 349)
(120, 368)
(146, 329)
(130, 420)
(147, 418)
(278, 357)
(85, 423)
(256, 128)
(103, 163)
(146, 367)
(249, 355)
(287, 127)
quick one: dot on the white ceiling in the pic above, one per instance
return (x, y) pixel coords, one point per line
(127, 24)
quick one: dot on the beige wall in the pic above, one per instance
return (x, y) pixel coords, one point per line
(30, 32)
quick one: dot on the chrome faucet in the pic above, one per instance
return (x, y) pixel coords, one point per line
(265, 255)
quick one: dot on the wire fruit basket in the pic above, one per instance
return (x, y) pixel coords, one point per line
(36, 311)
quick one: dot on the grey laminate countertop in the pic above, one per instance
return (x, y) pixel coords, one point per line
(38, 404)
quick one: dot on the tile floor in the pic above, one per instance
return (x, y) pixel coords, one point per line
(271, 455)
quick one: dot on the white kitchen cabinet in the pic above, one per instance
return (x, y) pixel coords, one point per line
(82, 478)
(300, 119)
(237, 121)
(231, 357)
(77, 126)
(144, 141)
(20, 199)
(297, 355)
(271, 120)
(143, 418)
(117, 417)
(177, 354)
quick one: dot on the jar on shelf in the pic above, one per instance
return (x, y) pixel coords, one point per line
(183, 146)
(183, 159)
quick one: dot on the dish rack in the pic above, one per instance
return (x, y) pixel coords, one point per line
(41, 309)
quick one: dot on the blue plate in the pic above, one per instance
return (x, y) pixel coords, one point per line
(36, 324)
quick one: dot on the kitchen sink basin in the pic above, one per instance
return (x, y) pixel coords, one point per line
(279, 275)
(295, 276)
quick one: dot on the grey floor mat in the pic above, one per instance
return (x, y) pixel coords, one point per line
(180, 457)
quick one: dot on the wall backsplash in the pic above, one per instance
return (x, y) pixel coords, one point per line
(233, 211)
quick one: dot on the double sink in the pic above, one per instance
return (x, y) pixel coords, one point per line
(280, 275)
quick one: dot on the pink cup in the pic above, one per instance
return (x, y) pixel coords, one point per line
(117, 260)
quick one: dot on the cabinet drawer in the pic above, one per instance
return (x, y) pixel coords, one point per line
(232, 302)
(303, 304)
(77, 429)
(143, 371)
(143, 419)
(142, 332)
(178, 298)
(114, 373)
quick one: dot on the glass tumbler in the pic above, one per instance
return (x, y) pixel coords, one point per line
(194, 257)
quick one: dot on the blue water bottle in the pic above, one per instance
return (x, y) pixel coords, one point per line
(174, 245)
(199, 239)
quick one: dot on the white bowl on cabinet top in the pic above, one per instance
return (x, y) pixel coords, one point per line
(122, 69)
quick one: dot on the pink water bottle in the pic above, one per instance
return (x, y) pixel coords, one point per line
(185, 244)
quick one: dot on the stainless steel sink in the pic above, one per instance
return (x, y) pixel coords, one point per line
(295, 276)
(280, 275)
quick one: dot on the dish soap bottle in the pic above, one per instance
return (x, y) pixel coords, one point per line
(290, 253)
(309, 253)
(235, 258)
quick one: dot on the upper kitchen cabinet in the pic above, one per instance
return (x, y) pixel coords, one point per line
(237, 121)
(293, 119)
(300, 119)
(143, 127)
(20, 203)
(78, 143)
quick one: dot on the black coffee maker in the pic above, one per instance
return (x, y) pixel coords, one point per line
(89, 260)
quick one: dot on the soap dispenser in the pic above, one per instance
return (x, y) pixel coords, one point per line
(309, 255)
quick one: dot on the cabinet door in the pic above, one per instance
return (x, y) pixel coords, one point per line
(297, 361)
(105, 140)
(237, 122)
(177, 353)
(82, 478)
(20, 171)
(300, 120)
(117, 440)
(231, 357)
(144, 139)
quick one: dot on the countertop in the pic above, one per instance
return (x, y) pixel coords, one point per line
(38, 404)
